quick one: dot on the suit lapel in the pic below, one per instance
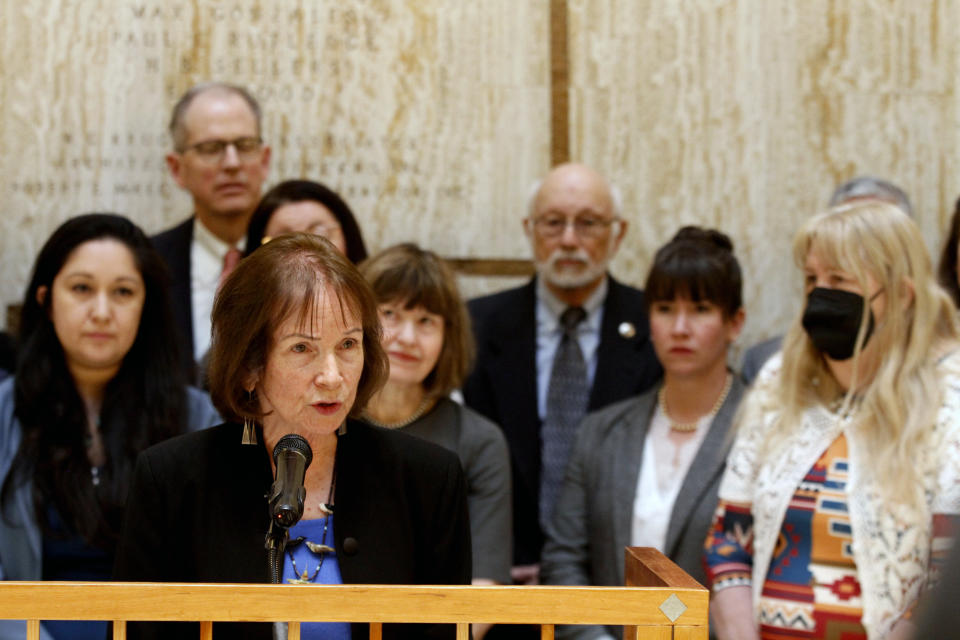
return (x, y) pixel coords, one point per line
(620, 355)
(625, 465)
(514, 365)
(174, 246)
(180, 288)
(706, 465)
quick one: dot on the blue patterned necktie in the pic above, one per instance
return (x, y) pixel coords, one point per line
(567, 396)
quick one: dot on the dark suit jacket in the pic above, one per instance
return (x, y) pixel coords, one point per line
(593, 520)
(197, 512)
(503, 385)
(173, 245)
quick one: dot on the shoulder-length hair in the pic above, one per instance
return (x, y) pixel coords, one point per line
(143, 404)
(282, 278)
(947, 270)
(307, 191)
(698, 264)
(408, 275)
(900, 395)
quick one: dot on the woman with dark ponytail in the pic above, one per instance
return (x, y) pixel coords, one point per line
(645, 471)
(97, 381)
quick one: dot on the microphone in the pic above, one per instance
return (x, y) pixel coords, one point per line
(292, 455)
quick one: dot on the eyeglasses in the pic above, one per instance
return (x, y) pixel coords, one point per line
(212, 151)
(583, 226)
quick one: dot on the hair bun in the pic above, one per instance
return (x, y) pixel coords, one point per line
(693, 233)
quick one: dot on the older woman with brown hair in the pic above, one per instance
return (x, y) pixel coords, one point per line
(296, 350)
(427, 337)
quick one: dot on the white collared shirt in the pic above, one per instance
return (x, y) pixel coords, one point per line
(207, 252)
(549, 333)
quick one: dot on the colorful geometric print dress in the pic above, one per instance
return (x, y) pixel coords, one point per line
(811, 589)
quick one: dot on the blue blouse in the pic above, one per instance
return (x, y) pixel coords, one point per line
(329, 573)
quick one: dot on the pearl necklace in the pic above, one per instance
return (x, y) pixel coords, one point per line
(422, 409)
(690, 427)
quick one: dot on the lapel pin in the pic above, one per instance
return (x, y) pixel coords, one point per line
(627, 330)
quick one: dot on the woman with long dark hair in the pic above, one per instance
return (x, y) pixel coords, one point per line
(97, 381)
(947, 269)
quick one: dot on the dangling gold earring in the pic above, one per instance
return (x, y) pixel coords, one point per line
(249, 433)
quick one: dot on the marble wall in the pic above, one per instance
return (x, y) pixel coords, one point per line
(743, 115)
(428, 116)
(433, 117)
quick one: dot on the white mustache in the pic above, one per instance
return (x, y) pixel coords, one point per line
(561, 254)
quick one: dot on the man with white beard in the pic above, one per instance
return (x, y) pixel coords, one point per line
(571, 340)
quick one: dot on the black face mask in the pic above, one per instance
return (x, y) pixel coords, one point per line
(832, 320)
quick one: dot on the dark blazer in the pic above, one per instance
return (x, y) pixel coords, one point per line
(503, 385)
(197, 512)
(173, 245)
(593, 519)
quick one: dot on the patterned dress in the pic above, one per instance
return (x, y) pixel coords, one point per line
(824, 554)
(812, 589)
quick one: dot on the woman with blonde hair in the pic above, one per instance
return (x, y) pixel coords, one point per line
(835, 505)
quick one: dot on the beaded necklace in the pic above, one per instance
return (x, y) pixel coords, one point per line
(321, 549)
(422, 409)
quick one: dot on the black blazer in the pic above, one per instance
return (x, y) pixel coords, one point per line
(503, 385)
(173, 245)
(197, 512)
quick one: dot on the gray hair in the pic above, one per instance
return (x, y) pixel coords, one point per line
(616, 197)
(863, 187)
(177, 127)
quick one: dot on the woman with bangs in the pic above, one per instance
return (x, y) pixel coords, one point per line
(645, 471)
(836, 504)
(427, 338)
(296, 352)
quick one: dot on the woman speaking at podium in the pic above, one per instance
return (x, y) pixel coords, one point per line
(296, 350)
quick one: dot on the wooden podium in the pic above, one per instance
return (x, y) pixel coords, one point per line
(660, 602)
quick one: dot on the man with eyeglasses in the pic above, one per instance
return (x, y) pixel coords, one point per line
(572, 311)
(218, 157)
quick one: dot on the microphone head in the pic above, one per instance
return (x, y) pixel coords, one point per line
(292, 456)
(296, 443)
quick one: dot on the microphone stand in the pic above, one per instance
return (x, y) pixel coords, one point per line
(278, 534)
(286, 508)
(275, 543)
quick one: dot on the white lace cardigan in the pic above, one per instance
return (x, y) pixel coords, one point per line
(891, 547)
